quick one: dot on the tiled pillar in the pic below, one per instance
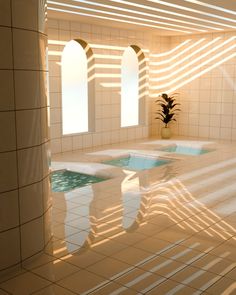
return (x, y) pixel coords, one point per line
(24, 157)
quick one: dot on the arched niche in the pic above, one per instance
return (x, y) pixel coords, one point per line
(77, 88)
(133, 87)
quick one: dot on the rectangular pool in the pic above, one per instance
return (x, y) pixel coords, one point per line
(137, 163)
(66, 180)
(185, 150)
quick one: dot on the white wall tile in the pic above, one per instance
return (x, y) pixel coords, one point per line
(31, 202)
(32, 237)
(87, 140)
(77, 142)
(47, 193)
(27, 87)
(10, 246)
(5, 13)
(66, 144)
(28, 128)
(6, 90)
(225, 133)
(8, 171)
(55, 145)
(203, 131)
(7, 131)
(6, 61)
(26, 49)
(9, 210)
(46, 158)
(30, 168)
(25, 14)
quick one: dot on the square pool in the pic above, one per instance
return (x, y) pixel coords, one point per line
(137, 162)
(66, 180)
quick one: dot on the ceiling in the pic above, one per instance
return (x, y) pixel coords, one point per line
(162, 17)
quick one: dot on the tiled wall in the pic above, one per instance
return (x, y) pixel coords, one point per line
(200, 68)
(24, 137)
(203, 72)
(108, 45)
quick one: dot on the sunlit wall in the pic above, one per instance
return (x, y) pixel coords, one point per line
(201, 69)
(108, 46)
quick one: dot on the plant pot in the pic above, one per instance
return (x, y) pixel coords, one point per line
(165, 132)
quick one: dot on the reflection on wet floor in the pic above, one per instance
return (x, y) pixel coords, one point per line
(168, 230)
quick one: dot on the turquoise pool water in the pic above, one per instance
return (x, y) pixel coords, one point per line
(137, 163)
(185, 150)
(65, 180)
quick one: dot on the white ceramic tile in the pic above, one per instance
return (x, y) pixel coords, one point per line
(215, 120)
(32, 237)
(53, 23)
(43, 52)
(214, 132)
(6, 48)
(55, 145)
(225, 133)
(6, 90)
(10, 246)
(227, 108)
(233, 134)
(204, 120)
(24, 284)
(30, 168)
(8, 171)
(7, 131)
(31, 202)
(44, 88)
(9, 208)
(66, 143)
(24, 14)
(226, 121)
(28, 128)
(27, 88)
(203, 131)
(5, 13)
(87, 140)
(44, 124)
(47, 194)
(42, 20)
(55, 100)
(55, 131)
(26, 49)
(46, 158)
(55, 116)
(77, 142)
(53, 289)
(47, 218)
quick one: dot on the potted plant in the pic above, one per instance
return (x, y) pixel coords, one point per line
(167, 112)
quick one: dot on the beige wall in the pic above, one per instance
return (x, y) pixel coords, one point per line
(105, 42)
(200, 68)
(203, 72)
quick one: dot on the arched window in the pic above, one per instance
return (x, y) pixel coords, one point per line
(129, 88)
(75, 88)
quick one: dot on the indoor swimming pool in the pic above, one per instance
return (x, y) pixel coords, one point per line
(66, 180)
(137, 162)
(186, 150)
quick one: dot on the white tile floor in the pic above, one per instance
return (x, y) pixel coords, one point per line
(168, 230)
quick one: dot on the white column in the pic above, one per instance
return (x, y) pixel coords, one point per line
(24, 141)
